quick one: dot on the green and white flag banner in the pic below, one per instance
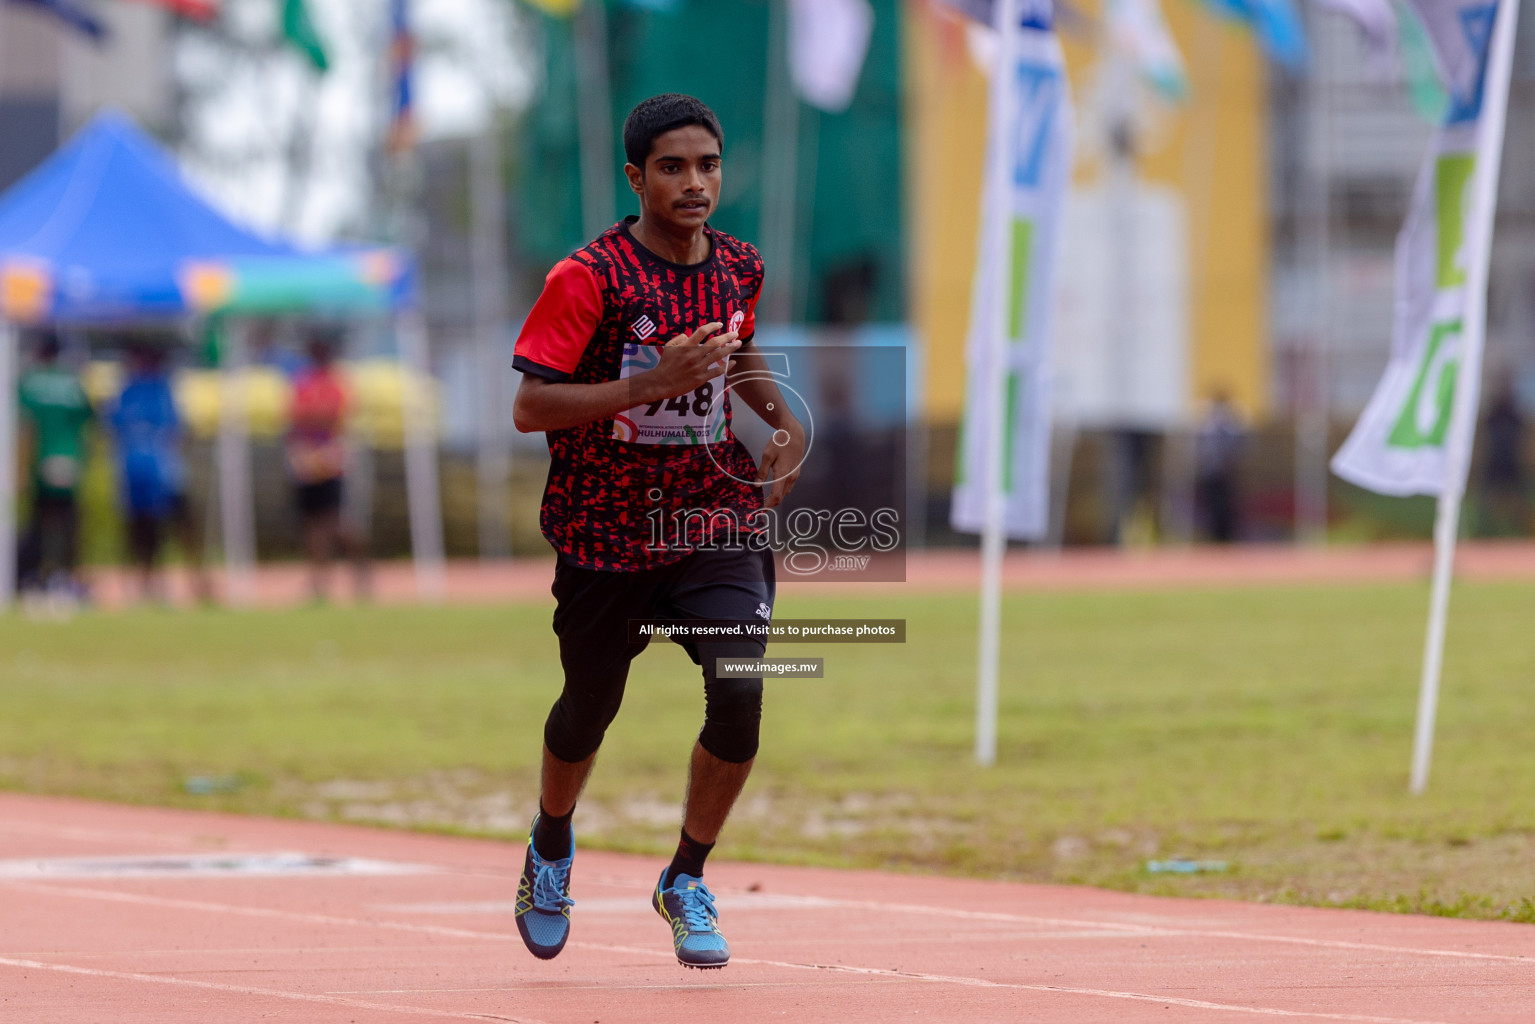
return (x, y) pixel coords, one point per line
(1403, 443)
(1019, 215)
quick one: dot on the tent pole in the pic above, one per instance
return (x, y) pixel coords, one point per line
(424, 497)
(8, 434)
(236, 498)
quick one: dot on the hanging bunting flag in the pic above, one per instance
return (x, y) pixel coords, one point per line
(73, 13)
(402, 59)
(828, 40)
(196, 10)
(558, 8)
(1276, 25)
(298, 31)
(1137, 29)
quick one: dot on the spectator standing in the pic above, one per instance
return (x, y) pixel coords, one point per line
(1504, 482)
(316, 457)
(152, 472)
(1218, 452)
(54, 412)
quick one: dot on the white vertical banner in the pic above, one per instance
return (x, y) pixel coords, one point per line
(828, 41)
(1402, 443)
(1009, 340)
(1415, 436)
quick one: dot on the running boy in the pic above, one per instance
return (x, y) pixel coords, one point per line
(639, 443)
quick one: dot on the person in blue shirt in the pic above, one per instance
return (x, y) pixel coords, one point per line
(152, 470)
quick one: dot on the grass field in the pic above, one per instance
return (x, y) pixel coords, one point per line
(1267, 728)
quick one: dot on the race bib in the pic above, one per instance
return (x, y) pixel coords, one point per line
(697, 417)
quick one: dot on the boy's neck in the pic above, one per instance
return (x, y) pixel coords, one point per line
(686, 248)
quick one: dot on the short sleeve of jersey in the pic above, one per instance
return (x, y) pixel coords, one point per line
(561, 323)
(749, 325)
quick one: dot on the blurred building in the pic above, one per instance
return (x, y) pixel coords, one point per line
(53, 77)
(1355, 129)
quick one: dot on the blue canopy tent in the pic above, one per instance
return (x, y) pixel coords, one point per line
(107, 231)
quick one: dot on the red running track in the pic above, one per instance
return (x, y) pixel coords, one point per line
(528, 579)
(429, 935)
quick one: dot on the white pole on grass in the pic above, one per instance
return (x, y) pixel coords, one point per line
(1468, 377)
(998, 258)
(8, 432)
(421, 482)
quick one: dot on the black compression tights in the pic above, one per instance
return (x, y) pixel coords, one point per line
(732, 709)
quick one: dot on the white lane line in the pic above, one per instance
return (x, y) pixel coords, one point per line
(875, 971)
(1072, 927)
(249, 990)
(1141, 997)
(98, 835)
(552, 986)
(810, 901)
(1143, 929)
(280, 915)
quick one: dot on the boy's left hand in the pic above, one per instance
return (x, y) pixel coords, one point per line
(781, 462)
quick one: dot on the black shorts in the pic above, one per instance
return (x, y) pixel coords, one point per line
(594, 606)
(592, 621)
(318, 498)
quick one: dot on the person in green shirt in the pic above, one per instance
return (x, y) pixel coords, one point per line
(54, 411)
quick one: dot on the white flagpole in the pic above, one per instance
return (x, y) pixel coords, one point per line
(998, 255)
(1468, 379)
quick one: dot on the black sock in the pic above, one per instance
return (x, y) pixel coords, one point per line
(551, 834)
(689, 859)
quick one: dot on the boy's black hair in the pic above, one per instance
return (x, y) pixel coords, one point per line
(660, 114)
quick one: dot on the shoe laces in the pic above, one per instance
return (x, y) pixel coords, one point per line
(698, 907)
(551, 880)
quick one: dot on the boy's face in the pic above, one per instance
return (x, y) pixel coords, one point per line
(681, 180)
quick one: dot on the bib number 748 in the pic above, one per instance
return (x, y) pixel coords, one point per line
(695, 404)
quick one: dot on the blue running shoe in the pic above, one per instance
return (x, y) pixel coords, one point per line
(688, 906)
(543, 902)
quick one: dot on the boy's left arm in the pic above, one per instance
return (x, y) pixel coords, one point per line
(751, 379)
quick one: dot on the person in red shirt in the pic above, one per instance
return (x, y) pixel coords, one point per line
(316, 455)
(653, 506)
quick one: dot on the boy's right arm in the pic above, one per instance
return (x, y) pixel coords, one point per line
(554, 337)
(687, 361)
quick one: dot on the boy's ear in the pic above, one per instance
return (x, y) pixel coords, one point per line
(636, 176)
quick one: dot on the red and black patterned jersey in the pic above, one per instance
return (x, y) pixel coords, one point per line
(604, 312)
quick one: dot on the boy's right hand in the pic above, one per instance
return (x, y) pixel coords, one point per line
(689, 360)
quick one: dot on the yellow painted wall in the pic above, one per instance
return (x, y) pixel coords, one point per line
(1212, 151)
